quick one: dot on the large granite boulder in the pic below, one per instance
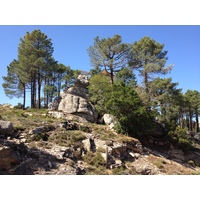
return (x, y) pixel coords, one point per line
(75, 100)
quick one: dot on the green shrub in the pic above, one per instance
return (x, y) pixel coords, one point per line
(159, 164)
(76, 135)
(180, 138)
(18, 128)
(95, 159)
(122, 170)
(85, 129)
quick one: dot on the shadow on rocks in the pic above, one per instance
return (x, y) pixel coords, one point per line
(22, 160)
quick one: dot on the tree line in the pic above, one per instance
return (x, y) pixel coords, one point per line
(37, 71)
(119, 92)
(135, 104)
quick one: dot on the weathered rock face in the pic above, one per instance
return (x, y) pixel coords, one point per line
(75, 100)
(54, 105)
(6, 128)
(82, 81)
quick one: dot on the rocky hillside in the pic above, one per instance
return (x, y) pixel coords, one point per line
(35, 142)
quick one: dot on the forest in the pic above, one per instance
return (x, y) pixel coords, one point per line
(139, 108)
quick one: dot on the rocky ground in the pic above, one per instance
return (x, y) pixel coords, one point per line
(36, 143)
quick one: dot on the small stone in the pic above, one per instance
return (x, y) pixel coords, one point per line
(49, 164)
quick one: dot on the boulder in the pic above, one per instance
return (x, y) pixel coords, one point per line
(75, 100)
(109, 120)
(54, 105)
(78, 91)
(6, 128)
(81, 81)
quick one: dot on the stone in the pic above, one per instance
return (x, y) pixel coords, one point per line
(29, 114)
(81, 81)
(78, 91)
(73, 117)
(75, 100)
(109, 120)
(8, 158)
(6, 128)
(56, 114)
(54, 105)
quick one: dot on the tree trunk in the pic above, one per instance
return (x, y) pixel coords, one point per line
(197, 121)
(181, 119)
(39, 89)
(190, 123)
(111, 76)
(24, 99)
(32, 95)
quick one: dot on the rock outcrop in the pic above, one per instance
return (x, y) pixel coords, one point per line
(75, 100)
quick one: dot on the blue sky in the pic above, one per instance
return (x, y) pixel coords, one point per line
(70, 44)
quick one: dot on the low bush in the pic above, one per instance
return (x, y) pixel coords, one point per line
(180, 138)
(95, 159)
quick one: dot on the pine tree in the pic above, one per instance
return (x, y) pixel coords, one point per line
(147, 56)
(192, 104)
(109, 54)
(14, 83)
(34, 54)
